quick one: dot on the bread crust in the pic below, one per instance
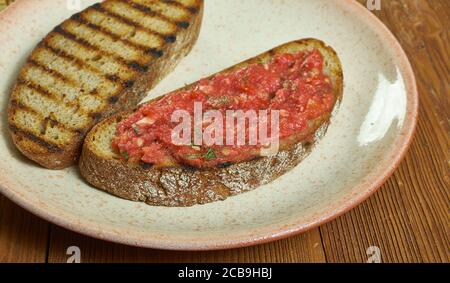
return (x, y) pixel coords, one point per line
(177, 187)
(59, 157)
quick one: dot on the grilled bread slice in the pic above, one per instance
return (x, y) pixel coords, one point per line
(100, 61)
(187, 186)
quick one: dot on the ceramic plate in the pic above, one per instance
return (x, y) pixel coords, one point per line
(365, 142)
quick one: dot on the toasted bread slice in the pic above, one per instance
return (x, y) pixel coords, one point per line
(183, 186)
(100, 61)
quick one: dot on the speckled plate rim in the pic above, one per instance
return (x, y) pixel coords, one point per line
(366, 188)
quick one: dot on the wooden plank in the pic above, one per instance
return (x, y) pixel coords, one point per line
(409, 217)
(23, 236)
(303, 248)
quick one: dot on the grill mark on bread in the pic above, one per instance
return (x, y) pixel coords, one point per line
(157, 53)
(129, 83)
(113, 99)
(62, 78)
(51, 147)
(113, 78)
(24, 100)
(104, 7)
(194, 10)
(45, 120)
(170, 38)
(42, 91)
(178, 13)
(138, 67)
(123, 29)
(28, 79)
(45, 92)
(74, 105)
(85, 79)
(105, 41)
(148, 10)
(80, 63)
(124, 20)
(175, 3)
(183, 24)
(144, 49)
(67, 45)
(191, 9)
(132, 64)
(96, 116)
(94, 93)
(52, 73)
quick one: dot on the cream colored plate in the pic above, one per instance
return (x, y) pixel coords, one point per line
(364, 144)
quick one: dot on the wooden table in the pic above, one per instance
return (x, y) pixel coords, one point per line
(408, 218)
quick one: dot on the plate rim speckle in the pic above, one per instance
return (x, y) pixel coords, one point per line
(366, 187)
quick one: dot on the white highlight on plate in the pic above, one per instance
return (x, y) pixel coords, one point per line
(389, 103)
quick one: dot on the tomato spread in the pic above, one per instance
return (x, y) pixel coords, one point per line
(293, 84)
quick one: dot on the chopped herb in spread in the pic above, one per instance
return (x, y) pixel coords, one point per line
(136, 129)
(210, 154)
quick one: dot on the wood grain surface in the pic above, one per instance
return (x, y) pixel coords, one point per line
(408, 218)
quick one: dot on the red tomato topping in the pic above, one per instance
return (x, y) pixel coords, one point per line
(293, 84)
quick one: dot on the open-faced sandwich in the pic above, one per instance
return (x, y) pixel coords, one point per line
(221, 136)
